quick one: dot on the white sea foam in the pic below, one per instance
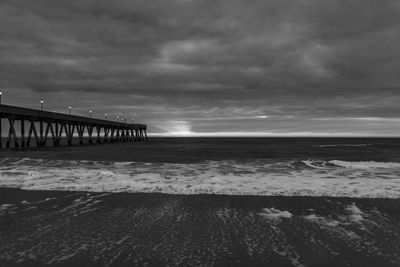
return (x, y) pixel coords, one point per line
(275, 214)
(321, 220)
(366, 164)
(260, 177)
(355, 214)
(315, 164)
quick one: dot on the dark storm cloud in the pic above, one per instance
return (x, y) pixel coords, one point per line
(181, 63)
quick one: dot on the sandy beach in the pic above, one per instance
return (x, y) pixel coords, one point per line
(57, 228)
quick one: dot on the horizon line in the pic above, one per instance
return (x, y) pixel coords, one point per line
(294, 134)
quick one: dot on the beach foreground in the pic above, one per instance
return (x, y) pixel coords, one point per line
(126, 229)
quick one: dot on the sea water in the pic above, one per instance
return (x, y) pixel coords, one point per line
(299, 167)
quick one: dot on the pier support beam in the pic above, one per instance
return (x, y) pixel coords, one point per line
(90, 132)
(112, 137)
(41, 133)
(12, 136)
(98, 139)
(80, 129)
(117, 136)
(106, 132)
(32, 129)
(141, 135)
(22, 133)
(1, 135)
(70, 134)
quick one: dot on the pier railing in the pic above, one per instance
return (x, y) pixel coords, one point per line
(43, 125)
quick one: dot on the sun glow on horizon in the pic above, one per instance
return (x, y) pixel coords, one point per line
(176, 128)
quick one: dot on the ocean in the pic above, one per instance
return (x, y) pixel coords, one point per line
(203, 202)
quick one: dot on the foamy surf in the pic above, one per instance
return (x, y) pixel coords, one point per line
(366, 164)
(261, 177)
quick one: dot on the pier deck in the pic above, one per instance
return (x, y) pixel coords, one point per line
(59, 126)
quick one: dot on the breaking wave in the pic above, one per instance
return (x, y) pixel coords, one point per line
(366, 164)
(260, 177)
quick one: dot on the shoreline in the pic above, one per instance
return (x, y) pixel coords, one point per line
(13, 193)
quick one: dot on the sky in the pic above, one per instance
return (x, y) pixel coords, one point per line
(209, 68)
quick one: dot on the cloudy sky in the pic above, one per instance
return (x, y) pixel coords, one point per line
(221, 67)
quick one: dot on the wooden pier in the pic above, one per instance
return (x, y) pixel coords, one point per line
(44, 125)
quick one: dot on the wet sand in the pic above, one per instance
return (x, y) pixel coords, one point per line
(136, 229)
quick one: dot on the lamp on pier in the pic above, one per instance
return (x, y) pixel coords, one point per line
(105, 116)
(69, 108)
(1, 93)
(41, 105)
(90, 114)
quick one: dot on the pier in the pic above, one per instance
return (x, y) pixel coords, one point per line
(41, 126)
